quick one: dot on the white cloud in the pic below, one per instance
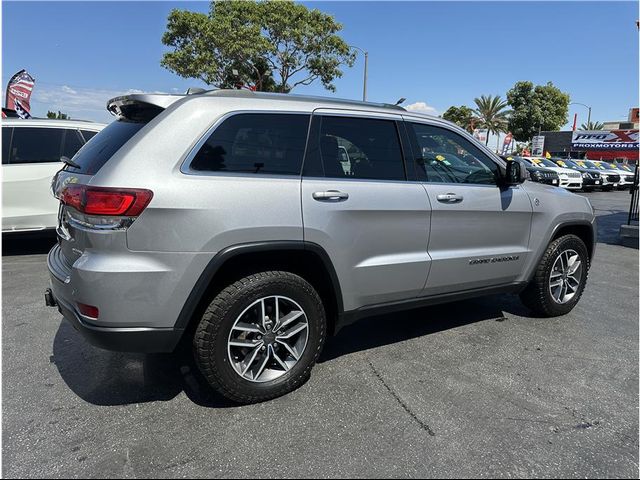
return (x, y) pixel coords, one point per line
(79, 103)
(422, 107)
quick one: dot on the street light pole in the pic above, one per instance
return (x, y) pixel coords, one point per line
(366, 64)
(586, 106)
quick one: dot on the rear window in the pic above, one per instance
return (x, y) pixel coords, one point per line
(255, 143)
(102, 147)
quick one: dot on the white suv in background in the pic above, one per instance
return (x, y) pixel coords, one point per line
(31, 152)
(569, 179)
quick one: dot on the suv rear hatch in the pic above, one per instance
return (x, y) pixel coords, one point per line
(88, 214)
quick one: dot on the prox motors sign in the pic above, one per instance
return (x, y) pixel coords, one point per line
(605, 140)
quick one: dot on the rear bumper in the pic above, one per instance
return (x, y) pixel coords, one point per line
(141, 340)
(119, 338)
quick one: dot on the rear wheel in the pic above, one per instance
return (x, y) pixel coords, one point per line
(559, 279)
(260, 336)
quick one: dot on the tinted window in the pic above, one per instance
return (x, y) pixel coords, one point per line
(6, 141)
(255, 143)
(104, 145)
(360, 148)
(445, 156)
(88, 135)
(35, 145)
(72, 143)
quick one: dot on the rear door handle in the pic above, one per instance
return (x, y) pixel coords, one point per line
(449, 198)
(330, 196)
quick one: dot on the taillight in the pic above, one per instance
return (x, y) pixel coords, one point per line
(88, 310)
(120, 202)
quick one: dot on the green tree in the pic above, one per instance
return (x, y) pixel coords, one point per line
(273, 45)
(591, 126)
(461, 116)
(58, 116)
(540, 107)
(491, 114)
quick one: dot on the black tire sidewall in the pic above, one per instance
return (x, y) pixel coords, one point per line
(569, 242)
(222, 317)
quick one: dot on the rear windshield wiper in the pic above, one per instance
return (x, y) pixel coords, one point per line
(71, 163)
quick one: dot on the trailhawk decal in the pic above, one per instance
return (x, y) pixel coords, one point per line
(508, 258)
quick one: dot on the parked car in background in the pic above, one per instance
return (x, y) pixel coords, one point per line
(590, 176)
(626, 174)
(31, 152)
(609, 180)
(625, 178)
(569, 179)
(536, 174)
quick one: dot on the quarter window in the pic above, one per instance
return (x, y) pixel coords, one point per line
(259, 143)
(36, 145)
(447, 157)
(88, 135)
(360, 148)
(72, 143)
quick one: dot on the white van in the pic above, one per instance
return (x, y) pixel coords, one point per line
(31, 152)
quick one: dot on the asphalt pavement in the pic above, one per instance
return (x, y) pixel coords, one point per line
(478, 388)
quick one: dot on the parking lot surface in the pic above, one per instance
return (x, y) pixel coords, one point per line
(477, 388)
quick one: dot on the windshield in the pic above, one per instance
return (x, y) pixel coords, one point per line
(539, 162)
(567, 164)
(602, 165)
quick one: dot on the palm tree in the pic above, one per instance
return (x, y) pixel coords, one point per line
(492, 114)
(592, 126)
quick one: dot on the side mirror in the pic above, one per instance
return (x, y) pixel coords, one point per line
(516, 173)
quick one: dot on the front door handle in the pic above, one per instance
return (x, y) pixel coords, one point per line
(330, 196)
(449, 198)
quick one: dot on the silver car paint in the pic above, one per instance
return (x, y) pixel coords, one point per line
(381, 240)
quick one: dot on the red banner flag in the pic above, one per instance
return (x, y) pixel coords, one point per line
(19, 91)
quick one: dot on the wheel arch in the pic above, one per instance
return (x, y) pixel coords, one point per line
(306, 259)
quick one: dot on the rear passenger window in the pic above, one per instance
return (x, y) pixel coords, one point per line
(6, 141)
(36, 145)
(72, 143)
(360, 148)
(255, 143)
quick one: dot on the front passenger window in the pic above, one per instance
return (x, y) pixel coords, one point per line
(446, 157)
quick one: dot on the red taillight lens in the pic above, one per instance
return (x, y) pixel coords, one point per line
(88, 310)
(125, 202)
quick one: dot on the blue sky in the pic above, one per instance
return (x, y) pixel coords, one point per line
(436, 53)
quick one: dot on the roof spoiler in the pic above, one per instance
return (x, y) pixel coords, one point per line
(140, 107)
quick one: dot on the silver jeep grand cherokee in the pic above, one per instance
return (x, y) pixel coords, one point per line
(254, 225)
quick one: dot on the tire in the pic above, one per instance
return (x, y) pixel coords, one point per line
(219, 362)
(537, 296)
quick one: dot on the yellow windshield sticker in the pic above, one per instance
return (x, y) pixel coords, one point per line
(439, 158)
(582, 164)
(561, 163)
(509, 158)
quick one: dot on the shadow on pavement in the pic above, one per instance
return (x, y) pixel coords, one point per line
(104, 378)
(28, 243)
(383, 330)
(609, 226)
(107, 378)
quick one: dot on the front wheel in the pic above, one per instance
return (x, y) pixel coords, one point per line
(260, 336)
(560, 278)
